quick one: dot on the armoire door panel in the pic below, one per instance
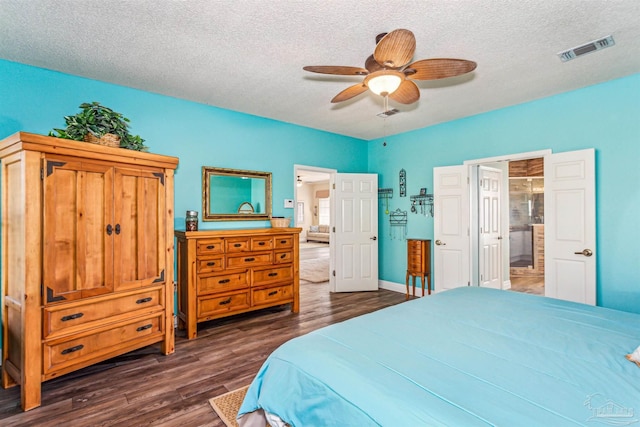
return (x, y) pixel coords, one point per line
(78, 249)
(140, 235)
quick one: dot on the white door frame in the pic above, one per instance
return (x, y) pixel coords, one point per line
(473, 253)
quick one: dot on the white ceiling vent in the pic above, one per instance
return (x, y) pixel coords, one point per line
(570, 54)
(388, 113)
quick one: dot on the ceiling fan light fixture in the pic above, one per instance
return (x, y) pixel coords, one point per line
(384, 82)
(299, 181)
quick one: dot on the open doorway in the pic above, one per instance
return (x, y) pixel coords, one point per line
(312, 215)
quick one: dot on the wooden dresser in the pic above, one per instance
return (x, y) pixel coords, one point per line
(226, 272)
(418, 263)
(87, 266)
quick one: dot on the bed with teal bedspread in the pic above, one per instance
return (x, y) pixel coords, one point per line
(466, 357)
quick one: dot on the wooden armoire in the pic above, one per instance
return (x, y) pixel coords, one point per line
(87, 256)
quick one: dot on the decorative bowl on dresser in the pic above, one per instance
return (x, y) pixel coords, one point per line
(87, 265)
(227, 272)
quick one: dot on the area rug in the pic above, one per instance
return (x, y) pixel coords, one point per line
(228, 404)
(314, 270)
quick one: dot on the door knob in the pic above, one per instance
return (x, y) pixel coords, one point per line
(585, 252)
(374, 238)
(439, 243)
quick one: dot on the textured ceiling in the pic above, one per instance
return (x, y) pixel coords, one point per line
(247, 55)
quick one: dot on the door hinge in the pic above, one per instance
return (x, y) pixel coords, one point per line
(334, 273)
(469, 283)
(334, 228)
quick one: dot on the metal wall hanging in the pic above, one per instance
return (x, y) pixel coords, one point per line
(403, 183)
(386, 194)
(422, 203)
(398, 222)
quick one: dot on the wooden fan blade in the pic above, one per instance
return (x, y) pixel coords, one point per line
(407, 93)
(395, 49)
(438, 68)
(337, 69)
(372, 65)
(350, 92)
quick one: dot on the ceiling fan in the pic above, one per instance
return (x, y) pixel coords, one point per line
(387, 73)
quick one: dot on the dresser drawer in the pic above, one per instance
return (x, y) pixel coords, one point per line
(261, 243)
(209, 246)
(272, 295)
(215, 305)
(59, 354)
(62, 319)
(210, 264)
(281, 257)
(272, 275)
(283, 242)
(224, 282)
(237, 244)
(250, 259)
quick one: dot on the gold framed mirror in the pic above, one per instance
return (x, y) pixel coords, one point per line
(235, 195)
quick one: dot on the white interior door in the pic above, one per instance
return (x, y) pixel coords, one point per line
(570, 238)
(489, 227)
(355, 257)
(451, 227)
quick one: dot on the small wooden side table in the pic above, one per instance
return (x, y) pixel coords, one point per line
(418, 263)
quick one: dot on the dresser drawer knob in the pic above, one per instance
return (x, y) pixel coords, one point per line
(249, 259)
(273, 274)
(211, 263)
(223, 281)
(72, 349)
(283, 256)
(143, 300)
(283, 242)
(262, 243)
(272, 293)
(72, 317)
(237, 245)
(144, 328)
(211, 247)
(225, 302)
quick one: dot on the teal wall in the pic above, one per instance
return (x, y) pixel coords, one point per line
(36, 100)
(605, 117)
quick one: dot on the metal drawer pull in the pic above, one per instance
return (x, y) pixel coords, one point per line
(211, 247)
(272, 293)
(223, 281)
(283, 242)
(72, 317)
(109, 229)
(273, 274)
(143, 300)
(145, 327)
(262, 243)
(283, 256)
(237, 245)
(249, 259)
(72, 349)
(225, 302)
(117, 228)
(211, 263)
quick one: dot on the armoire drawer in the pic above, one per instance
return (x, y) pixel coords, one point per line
(249, 259)
(272, 275)
(209, 246)
(59, 354)
(210, 264)
(222, 282)
(271, 295)
(66, 318)
(215, 305)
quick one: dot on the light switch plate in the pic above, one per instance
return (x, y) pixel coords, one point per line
(288, 203)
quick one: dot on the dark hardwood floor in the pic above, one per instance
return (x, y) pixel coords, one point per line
(145, 388)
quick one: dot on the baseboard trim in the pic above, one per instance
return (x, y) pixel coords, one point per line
(399, 287)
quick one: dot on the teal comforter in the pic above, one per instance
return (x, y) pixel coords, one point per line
(466, 357)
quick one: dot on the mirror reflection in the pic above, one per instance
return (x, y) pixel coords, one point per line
(231, 194)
